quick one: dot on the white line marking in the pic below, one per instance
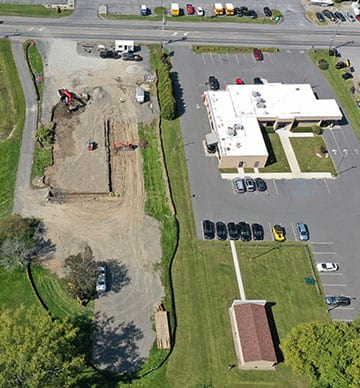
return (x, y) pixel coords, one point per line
(219, 56)
(269, 55)
(344, 308)
(237, 59)
(334, 285)
(342, 320)
(327, 186)
(212, 58)
(244, 55)
(228, 57)
(322, 242)
(203, 58)
(345, 138)
(332, 273)
(276, 189)
(293, 229)
(337, 144)
(237, 270)
(324, 253)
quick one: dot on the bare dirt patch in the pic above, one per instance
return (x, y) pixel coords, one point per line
(115, 227)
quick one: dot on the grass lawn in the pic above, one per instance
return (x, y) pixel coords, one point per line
(305, 151)
(12, 116)
(42, 159)
(341, 88)
(55, 295)
(229, 49)
(37, 67)
(30, 10)
(277, 161)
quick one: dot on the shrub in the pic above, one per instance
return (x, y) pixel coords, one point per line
(323, 64)
(317, 130)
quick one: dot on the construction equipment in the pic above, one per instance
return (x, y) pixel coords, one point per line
(72, 101)
(121, 146)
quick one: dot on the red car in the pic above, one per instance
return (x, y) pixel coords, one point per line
(190, 9)
(258, 54)
(239, 81)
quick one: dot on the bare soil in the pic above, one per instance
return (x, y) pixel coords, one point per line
(114, 226)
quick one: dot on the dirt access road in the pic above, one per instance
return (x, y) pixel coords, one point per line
(116, 228)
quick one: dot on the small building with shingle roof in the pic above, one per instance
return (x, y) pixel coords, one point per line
(252, 336)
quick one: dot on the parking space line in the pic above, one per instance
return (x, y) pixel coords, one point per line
(276, 189)
(237, 59)
(203, 58)
(322, 242)
(228, 57)
(293, 229)
(324, 253)
(334, 285)
(270, 58)
(346, 140)
(342, 320)
(345, 308)
(337, 144)
(244, 55)
(212, 58)
(327, 186)
(219, 56)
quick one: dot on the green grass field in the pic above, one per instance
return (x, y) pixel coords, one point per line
(12, 116)
(30, 10)
(229, 49)
(305, 151)
(277, 161)
(42, 159)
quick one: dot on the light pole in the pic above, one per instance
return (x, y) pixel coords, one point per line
(332, 40)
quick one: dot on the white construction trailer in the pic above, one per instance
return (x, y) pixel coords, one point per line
(124, 46)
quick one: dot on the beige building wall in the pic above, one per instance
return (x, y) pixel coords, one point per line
(242, 161)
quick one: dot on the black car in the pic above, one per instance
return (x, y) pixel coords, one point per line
(208, 229)
(334, 52)
(233, 231)
(109, 54)
(320, 17)
(267, 12)
(347, 75)
(245, 232)
(221, 231)
(252, 14)
(258, 81)
(238, 11)
(260, 184)
(340, 16)
(329, 15)
(131, 57)
(257, 232)
(214, 83)
(340, 65)
(338, 300)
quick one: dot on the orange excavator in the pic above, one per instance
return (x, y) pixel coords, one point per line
(68, 98)
(121, 146)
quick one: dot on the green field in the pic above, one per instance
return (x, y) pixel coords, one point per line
(305, 151)
(12, 116)
(30, 10)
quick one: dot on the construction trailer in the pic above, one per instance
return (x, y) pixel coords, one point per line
(174, 9)
(229, 9)
(218, 9)
(124, 46)
(140, 95)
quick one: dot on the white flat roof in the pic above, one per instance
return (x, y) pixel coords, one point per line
(236, 111)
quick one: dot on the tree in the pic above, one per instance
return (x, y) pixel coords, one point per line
(18, 238)
(36, 351)
(81, 275)
(326, 353)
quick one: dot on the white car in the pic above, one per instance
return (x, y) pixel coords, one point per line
(101, 281)
(327, 267)
(200, 11)
(350, 17)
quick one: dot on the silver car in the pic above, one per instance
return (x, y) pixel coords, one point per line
(302, 231)
(101, 281)
(249, 183)
(350, 17)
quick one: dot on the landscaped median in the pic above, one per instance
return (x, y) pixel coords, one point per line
(31, 11)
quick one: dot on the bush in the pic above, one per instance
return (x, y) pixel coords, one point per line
(159, 11)
(323, 64)
(317, 130)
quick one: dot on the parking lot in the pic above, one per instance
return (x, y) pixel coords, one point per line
(327, 206)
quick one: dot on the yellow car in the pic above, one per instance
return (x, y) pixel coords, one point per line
(278, 233)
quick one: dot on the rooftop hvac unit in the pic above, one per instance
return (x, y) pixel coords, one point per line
(231, 131)
(255, 93)
(260, 100)
(238, 126)
(238, 144)
(260, 105)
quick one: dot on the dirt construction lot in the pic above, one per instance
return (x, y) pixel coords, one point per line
(115, 227)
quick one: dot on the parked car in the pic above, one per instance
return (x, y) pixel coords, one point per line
(260, 184)
(239, 185)
(278, 233)
(267, 12)
(350, 17)
(200, 11)
(238, 11)
(327, 267)
(302, 231)
(249, 183)
(131, 57)
(214, 83)
(252, 14)
(208, 229)
(245, 232)
(320, 17)
(340, 65)
(258, 54)
(190, 9)
(144, 10)
(234, 232)
(257, 232)
(347, 75)
(221, 231)
(329, 15)
(340, 16)
(239, 81)
(338, 300)
(109, 54)
(101, 280)
(334, 52)
(258, 81)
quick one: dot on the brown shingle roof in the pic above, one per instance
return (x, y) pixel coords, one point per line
(254, 332)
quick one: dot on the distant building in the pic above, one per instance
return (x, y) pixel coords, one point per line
(237, 114)
(252, 336)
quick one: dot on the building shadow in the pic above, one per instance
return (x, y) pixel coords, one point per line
(344, 120)
(115, 347)
(274, 332)
(272, 157)
(178, 93)
(118, 276)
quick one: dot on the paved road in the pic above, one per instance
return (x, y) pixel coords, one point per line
(27, 147)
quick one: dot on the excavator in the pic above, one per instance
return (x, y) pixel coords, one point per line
(69, 99)
(121, 146)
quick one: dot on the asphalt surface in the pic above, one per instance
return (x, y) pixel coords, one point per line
(328, 207)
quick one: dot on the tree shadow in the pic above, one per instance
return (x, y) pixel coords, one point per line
(43, 248)
(117, 275)
(115, 348)
(274, 332)
(178, 93)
